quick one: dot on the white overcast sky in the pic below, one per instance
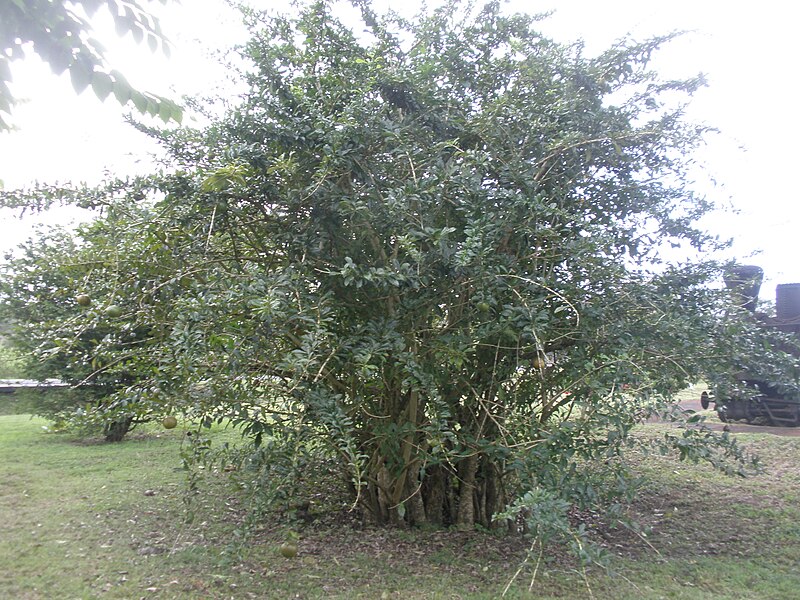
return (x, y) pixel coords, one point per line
(749, 52)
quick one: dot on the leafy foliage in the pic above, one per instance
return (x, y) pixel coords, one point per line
(105, 348)
(434, 253)
(11, 363)
(57, 32)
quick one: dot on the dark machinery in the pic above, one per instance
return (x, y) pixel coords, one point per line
(755, 400)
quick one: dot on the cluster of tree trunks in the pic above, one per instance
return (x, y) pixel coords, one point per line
(465, 494)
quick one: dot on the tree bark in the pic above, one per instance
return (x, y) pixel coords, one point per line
(116, 430)
(415, 508)
(435, 495)
(495, 499)
(467, 470)
(385, 512)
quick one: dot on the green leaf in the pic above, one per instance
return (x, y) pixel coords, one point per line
(121, 25)
(102, 85)
(122, 91)
(138, 34)
(151, 107)
(91, 6)
(177, 114)
(117, 76)
(165, 111)
(139, 101)
(98, 48)
(80, 76)
(5, 70)
(152, 41)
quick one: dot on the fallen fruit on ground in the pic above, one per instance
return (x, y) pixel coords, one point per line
(288, 549)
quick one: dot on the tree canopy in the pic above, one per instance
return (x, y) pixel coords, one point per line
(58, 32)
(432, 252)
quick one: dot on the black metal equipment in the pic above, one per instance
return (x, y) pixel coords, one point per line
(759, 401)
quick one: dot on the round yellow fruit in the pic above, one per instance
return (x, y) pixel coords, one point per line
(170, 422)
(83, 300)
(288, 549)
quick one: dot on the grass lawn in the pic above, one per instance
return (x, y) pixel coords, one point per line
(84, 519)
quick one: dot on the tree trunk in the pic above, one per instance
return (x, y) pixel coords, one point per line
(415, 508)
(435, 495)
(479, 502)
(371, 501)
(385, 513)
(467, 470)
(116, 430)
(495, 498)
(436, 498)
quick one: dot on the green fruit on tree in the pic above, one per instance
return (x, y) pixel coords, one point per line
(114, 311)
(288, 549)
(483, 306)
(170, 422)
(83, 300)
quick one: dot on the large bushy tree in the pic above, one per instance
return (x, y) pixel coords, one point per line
(435, 249)
(91, 308)
(437, 237)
